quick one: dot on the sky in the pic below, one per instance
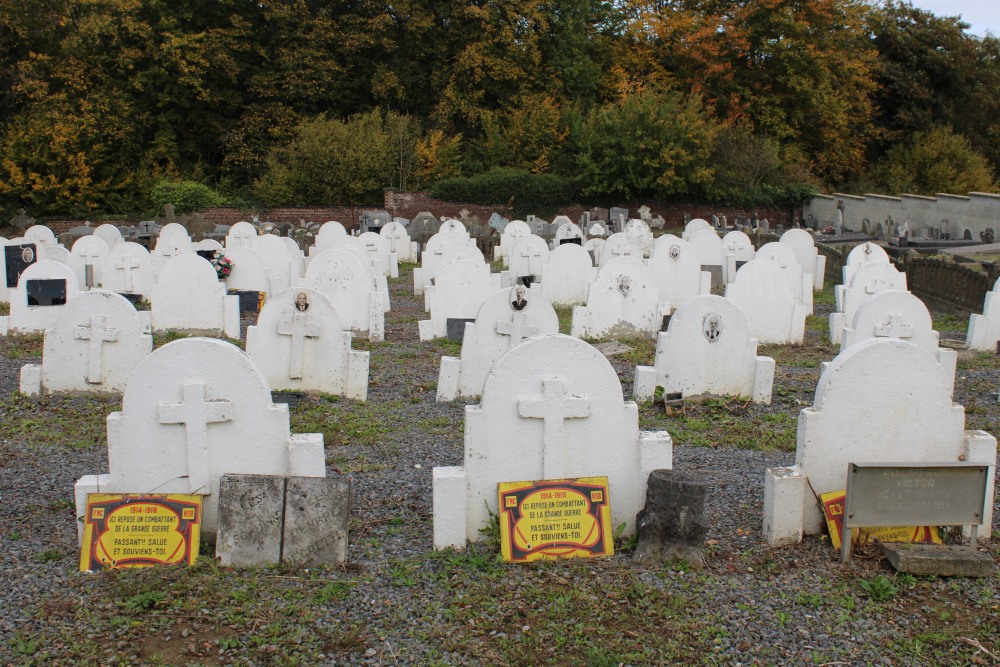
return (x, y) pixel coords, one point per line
(982, 15)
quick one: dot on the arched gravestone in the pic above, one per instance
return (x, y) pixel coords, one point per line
(866, 253)
(399, 242)
(194, 410)
(804, 246)
(505, 319)
(696, 225)
(738, 250)
(642, 235)
(109, 234)
(241, 235)
(86, 258)
(459, 291)
(512, 233)
(527, 258)
(552, 408)
(423, 275)
(93, 346)
(883, 400)
(188, 296)
(762, 292)
(707, 349)
(249, 273)
(347, 281)
(622, 301)
(567, 275)
(619, 244)
(870, 278)
(785, 257)
(43, 289)
(300, 344)
(128, 269)
(676, 271)
(708, 246)
(984, 330)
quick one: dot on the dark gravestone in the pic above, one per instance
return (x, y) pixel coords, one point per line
(250, 301)
(17, 259)
(666, 323)
(134, 299)
(672, 525)
(740, 264)
(290, 398)
(317, 515)
(207, 254)
(455, 328)
(576, 240)
(50, 292)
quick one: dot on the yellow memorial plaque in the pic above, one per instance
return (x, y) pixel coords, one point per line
(555, 519)
(833, 509)
(122, 530)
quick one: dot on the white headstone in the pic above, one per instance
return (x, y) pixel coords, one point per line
(883, 400)
(188, 296)
(708, 247)
(87, 260)
(348, 282)
(696, 225)
(617, 245)
(212, 245)
(515, 230)
(382, 260)
(194, 410)
(399, 242)
(866, 253)
(249, 272)
(459, 290)
(984, 330)
(526, 258)
(277, 260)
(737, 248)
(505, 319)
(552, 408)
(423, 275)
(595, 246)
(25, 318)
(804, 245)
(110, 234)
(707, 349)
(784, 255)
(93, 346)
(642, 235)
(41, 236)
(869, 278)
(128, 269)
(676, 271)
(300, 344)
(567, 275)
(172, 242)
(762, 292)
(241, 235)
(622, 301)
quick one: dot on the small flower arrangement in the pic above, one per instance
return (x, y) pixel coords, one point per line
(223, 265)
(828, 229)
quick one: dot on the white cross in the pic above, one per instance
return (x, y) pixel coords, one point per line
(125, 264)
(89, 254)
(196, 414)
(894, 328)
(395, 235)
(97, 334)
(243, 237)
(299, 327)
(621, 249)
(554, 407)
(532, 255)
(171, 249)
(516, 329)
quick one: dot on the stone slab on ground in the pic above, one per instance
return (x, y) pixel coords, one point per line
(250, 517)
(611, 348)
(317, 514)
(944, 560)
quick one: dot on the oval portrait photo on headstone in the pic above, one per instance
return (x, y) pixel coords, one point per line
(711, 326)
(519, 301)
(675, 251)
(624, 285)
(28, 255)
(302, 302)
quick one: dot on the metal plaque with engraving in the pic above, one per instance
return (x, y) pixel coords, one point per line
(907, 494)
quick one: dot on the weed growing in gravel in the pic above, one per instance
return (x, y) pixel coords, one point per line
(642, 351)
(565, 315)
(879, 588)
(47, 556)
(978, 361)
(950, 322)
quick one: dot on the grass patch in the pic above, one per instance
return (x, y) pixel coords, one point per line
(565, 315)
(718, 422)
(642, 351)
(21, 346)
(77, 422)
(346, 422)
(950, 322)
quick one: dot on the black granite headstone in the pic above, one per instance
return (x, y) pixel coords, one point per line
(207, 254)
(51, 292)
(132, 298)
(666, 323)
(576, 240)
(18, 258)
(250, 301)
(455, 328)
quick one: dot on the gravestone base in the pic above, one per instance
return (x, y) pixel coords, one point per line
(31, 379)
(944, 560)
(672, 525)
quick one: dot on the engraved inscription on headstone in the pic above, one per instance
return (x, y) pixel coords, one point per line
(17, 258)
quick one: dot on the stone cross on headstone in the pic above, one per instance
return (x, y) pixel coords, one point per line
(533, 256)
(395, 236)
(516, 329)
(146, 225)
(196, 414)
(126, 264)
(243, 237)
(554, 407)
(620, 249)
(299, 327)
(97, 334)
(89, 253)
(171, 250)
(894, 328)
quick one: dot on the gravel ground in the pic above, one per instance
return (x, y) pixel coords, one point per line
(750, 605)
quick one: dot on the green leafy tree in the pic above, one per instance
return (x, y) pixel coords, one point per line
(652, 143)
(938, 160)
(330, 161)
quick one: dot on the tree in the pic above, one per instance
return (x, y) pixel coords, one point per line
(655, 143)
(330, 161)
(938, 160)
